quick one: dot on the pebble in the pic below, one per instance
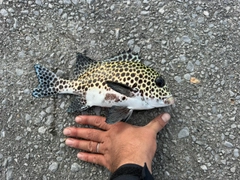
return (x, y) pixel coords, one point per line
(27, 117)
(49, 121)
(53, 167)
(204, 167)
(136, 49)
(186, 39)
(233, 169)
(183, 133)
(19, 72)
(42, 130)
(21, 54)
(206, 13)
(49, 109)
(190, 66)
(75, 167)
(4, 12)
(178, 79)
(66, 1)
(236, 153)
(144, 12)
(187, 76)
(38, 2)
(228, 144)
(1, 156)
(130, 42)
(9, 173)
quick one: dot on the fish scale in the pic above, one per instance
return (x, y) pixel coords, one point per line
(121, 83)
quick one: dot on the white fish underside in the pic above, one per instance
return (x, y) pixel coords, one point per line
(113, 98)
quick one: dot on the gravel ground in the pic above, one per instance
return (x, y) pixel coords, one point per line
(182, 39)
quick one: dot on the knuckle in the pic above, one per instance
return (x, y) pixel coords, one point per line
(90, 146)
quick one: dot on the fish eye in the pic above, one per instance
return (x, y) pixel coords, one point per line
(160, 82)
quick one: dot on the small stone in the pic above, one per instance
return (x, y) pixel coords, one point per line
(228, 144)
(236, 153)
(42, 130)
(53, 167)
(75, 1)
(21, 54)
(178, 79)
(130, 42)
(66, 1)
(136, 49)
(190, 66)
(19, 72)
(27, 117)
(9, 173)
(186, 39)
(187, 76)
(90, 1)
(204, 167)
(38, 2)
(183, 133)
(144, 12)
(92, 31)
(206, 13)
(163, 61)
(161, 10)
(49, 109)
(4, 12)
(25, 12)
(1, 156)
(75, 167)
(49, 121)
(233, 169)
(182, 57)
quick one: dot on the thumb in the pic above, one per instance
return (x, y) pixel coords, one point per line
(159, 122)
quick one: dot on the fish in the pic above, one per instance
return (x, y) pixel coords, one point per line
(121, 83)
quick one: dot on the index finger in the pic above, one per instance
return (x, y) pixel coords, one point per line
(97, 121)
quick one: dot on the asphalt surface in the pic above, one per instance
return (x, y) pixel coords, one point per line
(182, 39)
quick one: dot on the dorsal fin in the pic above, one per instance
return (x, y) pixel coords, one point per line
(125, 56)
(82, 64)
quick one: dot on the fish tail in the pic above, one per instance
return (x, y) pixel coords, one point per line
(48, 82)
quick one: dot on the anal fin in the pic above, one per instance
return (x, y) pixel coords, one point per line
(77, 105)
(117, 113)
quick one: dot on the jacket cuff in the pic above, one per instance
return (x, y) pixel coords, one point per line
(132, 172)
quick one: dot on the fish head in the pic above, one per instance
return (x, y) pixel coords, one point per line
(155, 92)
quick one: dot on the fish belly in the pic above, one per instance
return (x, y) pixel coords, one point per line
(103, 98)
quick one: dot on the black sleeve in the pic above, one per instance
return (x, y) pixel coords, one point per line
(132, 172)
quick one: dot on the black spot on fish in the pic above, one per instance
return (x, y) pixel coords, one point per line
(60, 87)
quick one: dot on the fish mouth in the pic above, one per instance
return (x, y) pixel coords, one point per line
(169, 101)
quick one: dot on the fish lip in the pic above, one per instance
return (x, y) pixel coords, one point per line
(169, 100)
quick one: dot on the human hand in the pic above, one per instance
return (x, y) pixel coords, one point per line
(113, 145)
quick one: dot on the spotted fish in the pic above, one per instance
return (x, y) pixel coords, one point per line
(121, 83)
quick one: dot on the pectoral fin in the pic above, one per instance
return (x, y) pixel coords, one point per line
(117, 113)
(121, 88)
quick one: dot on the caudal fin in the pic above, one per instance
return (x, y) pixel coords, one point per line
(47, 82)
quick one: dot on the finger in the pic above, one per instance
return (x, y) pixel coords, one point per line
(159, 122)
(89, 146)
(93, 158)
(84, 133)
(97, 121)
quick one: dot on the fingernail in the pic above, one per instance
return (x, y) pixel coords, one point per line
(166, 117)
(67, 132)
(80, 156)
(78, 119)
(69, 142)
